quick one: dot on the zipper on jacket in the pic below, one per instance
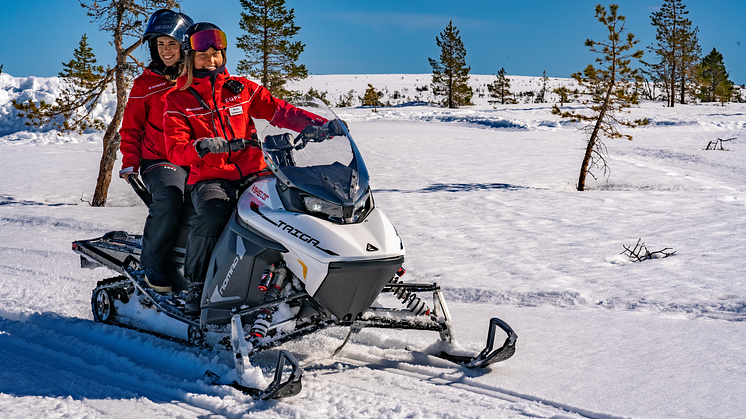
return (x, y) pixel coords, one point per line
(222, 125)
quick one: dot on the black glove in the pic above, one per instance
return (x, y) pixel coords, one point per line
(213, 145)
(334, 127)
(313, 132)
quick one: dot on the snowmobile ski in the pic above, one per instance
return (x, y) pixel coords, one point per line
(489, 355)
(279, 388)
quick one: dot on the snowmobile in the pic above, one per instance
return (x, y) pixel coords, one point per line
(305, 249)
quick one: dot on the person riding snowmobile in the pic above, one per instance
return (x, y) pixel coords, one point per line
(208, 109)
(143, 146)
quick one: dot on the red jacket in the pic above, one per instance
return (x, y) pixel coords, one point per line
(187, 121)
(142, 122)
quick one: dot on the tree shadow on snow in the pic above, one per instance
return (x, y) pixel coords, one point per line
(9, 200)
(460, 187)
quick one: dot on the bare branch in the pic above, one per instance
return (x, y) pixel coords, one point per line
(714, 144)
(640, 252)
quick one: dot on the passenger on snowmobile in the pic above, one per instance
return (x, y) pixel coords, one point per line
(208, 113)
(144, 148)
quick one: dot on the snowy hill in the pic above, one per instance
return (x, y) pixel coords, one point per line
(484, 200)
(398, 90)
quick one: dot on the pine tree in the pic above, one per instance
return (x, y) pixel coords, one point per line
(82, 84)
(500, 89)
(346, 99)
(610, 89)
(677, 49)
(372, 97)
(450, 74)
(690, 55)
(316, 94)
(563, 93)
(712, 78)
(1, 68)
(121, 19)
(270, 55)
(541, 96)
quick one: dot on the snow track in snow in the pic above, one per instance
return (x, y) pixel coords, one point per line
(443, 376)
(99, 366)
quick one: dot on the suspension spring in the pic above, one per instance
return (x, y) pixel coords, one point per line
(261, 324)
(410, 299)
(271, 285)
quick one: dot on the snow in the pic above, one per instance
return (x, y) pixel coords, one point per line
(484, 200)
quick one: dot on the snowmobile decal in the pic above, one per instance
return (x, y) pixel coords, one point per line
(259, 193)
(217, 295)
(305, 268)
(293, 231)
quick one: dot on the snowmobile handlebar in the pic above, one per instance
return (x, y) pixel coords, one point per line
(234, 145)
(320, 133)
(237, 144)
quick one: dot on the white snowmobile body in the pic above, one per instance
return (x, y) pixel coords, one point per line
(307, 235)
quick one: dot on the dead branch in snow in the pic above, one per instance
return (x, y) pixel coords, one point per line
(718, 143)
(640, 252)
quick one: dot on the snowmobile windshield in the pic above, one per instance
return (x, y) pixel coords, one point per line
(322, 162)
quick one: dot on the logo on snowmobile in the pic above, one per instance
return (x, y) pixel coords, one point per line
(292, 231)
(299, 234)
(217, 295)
(371, 248)
(259, 193)
(229, 274)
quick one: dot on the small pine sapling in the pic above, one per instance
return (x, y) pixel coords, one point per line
(372, 97)
(346, 99)
(608, 90)
(500, 89)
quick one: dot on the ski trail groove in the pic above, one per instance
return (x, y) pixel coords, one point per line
(422, 372)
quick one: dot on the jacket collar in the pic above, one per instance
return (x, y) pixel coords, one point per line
(203, 84)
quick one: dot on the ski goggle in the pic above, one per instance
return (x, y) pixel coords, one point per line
(203, 40)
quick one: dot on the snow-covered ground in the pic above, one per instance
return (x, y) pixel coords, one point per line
(484, 200)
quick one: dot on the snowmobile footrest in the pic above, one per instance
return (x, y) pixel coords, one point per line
(489, 355)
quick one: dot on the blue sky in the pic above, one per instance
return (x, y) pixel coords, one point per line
(385, 36)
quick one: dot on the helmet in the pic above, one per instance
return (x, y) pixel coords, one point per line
(166, 22)
(201, 36)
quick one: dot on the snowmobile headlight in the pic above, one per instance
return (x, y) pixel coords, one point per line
(318, 205)
(335, 212)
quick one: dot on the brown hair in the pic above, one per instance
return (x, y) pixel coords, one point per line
(188, 68)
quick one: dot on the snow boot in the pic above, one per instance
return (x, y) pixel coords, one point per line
(193, 298)
(157, 283)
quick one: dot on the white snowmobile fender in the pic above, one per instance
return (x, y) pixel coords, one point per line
(314, 242)
(374, 238)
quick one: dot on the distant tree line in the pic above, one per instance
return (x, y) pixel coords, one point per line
(676, 72)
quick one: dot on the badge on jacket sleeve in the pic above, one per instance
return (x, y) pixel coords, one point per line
(236, 110)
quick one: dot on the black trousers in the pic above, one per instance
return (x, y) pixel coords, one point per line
(166, 182)
(214, 202)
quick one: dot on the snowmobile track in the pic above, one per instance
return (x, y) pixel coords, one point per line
(424, 371)
(44, 340)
